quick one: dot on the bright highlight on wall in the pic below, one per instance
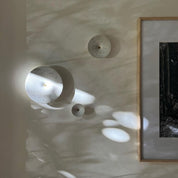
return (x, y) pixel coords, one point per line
(83, 97)
(116, 135)
(126, 119)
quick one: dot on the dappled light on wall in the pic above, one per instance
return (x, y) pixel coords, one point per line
(145, 123)
(103, 110)
(66, 174)
(110, 123)
(126, 119)
(116, 135)
(121, 119)
(83, 97)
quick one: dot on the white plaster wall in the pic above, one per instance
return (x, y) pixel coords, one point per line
(57, 33)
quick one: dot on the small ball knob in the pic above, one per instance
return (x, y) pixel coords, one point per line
(78, 110)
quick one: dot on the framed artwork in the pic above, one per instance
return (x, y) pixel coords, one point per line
(158, 86)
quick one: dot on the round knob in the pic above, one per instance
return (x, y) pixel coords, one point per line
(78, 110)
(50, 86)
(99, 46)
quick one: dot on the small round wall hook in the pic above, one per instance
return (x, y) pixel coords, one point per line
(78, 110)
(99, 46)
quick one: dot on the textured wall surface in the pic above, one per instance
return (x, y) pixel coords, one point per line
(49, 144)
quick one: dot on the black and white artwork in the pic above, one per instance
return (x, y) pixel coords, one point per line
(168, 89)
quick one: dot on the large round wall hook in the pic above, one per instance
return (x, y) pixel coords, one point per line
(51, 85)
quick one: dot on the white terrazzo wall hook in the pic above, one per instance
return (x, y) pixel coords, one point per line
(99, 46)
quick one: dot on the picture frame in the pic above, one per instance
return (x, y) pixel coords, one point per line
(158, 142)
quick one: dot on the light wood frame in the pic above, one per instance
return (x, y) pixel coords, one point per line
(139, 53)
